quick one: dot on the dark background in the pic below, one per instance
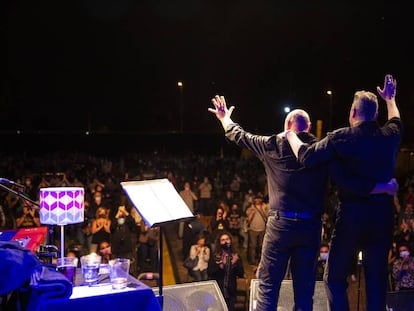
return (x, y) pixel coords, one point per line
(112, 66)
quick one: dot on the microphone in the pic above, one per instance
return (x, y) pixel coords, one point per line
(6, 181)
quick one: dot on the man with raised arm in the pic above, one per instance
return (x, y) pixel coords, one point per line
(364, 150)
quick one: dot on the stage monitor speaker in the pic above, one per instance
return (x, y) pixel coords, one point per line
(400, 301)
(201, 296)
(285, 303)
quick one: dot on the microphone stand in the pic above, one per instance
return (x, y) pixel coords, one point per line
(35, 205)
(360, 264)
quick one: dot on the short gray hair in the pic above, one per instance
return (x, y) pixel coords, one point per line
(366, 104)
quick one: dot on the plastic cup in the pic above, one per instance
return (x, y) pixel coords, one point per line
(67, 266)
(118, 272)
(90, 268)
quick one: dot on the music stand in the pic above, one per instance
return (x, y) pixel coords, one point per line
(158, 203)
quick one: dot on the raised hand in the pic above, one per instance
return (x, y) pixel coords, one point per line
(390, 86)
(220, 107)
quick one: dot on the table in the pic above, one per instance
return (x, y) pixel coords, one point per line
(136, 296)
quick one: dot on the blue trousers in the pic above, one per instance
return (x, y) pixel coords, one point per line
(288, 241)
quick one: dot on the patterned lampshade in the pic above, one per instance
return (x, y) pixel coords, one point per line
(61, 205)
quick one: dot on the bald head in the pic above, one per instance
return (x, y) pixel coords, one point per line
(364, 107)
(298, 121)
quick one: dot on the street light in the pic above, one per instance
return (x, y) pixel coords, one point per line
(181, 88)
(330, 94)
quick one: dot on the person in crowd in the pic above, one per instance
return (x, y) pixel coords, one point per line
(95, 184)
(122, 234)
(225, 206)
(248, 199)
(234, 187)
(44, 183)
(71, 253)
(29, 217)
(172, 179)
(322, 259)
(97, 201)
(225, 267)
(404, 235)
(62, 180)
(205, 188)
(244, 232)
(407, 214)
(392, 257)
(2, 218)
(105, 251)
(403, 269)
(363, 150)
(327, 226)
(100, 228)
(84, 229)
(111, 188)
(14, 206)
(192, 229)
(29, 188)
(235, 222)
(228, 198)
(296, 200)
(202, 251)
(408, 195)
(189, 197)
(218, 185)
(218, 224)
(8, 222)
(76, 182)
(148, 248)
(257, 217)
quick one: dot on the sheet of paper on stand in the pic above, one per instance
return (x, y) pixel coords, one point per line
(170, 206)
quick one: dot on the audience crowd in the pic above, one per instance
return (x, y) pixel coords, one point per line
(231, 190)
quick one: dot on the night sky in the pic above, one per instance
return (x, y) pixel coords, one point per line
(104, 65)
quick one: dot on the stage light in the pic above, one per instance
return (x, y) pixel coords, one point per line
(330, 94)
(61, 206)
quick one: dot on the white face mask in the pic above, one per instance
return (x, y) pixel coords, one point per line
(121, 221)
(404, 254)
(324, 256)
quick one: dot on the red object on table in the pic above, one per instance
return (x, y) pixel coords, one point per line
(30, 238)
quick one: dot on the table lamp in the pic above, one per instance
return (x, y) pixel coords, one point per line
(61, 206)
